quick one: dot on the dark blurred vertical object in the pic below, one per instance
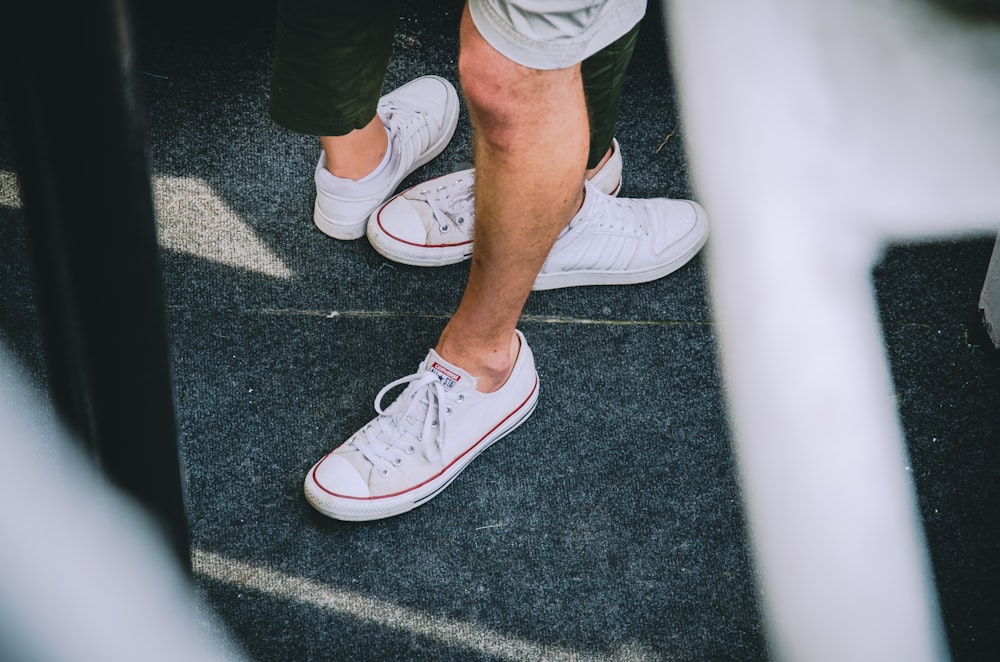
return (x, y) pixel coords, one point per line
(72, 100)
(979, 9)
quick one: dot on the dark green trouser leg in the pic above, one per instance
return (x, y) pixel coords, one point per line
(329, 64)
(603, 80)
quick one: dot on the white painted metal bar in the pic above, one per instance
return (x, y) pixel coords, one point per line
(817, 131)
(86, 571)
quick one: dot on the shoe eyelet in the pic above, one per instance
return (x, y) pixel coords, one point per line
(447, 411)
(397, 461)
(444, 228)
(461, 398)
(434, 423)
(410, 450)
(460, 220)
(383, 472)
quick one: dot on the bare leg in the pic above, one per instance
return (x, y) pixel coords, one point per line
(358, 153)
(530, 133)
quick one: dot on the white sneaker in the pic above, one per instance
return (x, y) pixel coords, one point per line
(620, 241)
(413, 449)
(431, 224)
(421, 117)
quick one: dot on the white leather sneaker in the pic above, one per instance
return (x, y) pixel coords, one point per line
(421, 118)
(620, 241)
(414, 448)
(431, 224)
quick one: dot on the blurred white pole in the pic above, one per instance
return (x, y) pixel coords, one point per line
(817, 130)
(84, 574)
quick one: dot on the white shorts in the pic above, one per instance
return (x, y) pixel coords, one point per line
(553, 34)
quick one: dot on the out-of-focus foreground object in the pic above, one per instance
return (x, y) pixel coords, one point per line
(85, 575)
(817, 132)
(72, 99)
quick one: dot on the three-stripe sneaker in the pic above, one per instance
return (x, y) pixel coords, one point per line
(621, 241)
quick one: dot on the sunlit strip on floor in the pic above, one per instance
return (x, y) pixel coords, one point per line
(388, 615)
(10, 191)
(195, 219)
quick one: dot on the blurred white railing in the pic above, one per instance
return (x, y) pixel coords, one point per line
(817, 131)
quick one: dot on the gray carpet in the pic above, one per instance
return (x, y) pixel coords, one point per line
(607, 527)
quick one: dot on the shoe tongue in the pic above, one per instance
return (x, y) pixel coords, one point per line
(449, 374)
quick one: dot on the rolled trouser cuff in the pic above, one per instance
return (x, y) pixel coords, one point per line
(603, 82)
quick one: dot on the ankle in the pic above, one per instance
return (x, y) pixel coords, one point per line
(490, 366)
(357, 154)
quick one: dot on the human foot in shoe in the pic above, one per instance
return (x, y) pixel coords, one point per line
(415, 447)
(420, 119)
(620, 241)
(431, 224)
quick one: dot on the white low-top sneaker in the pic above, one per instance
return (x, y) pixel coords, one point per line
(414, 448)
(431, 224)
(620, 241)
(421, 117)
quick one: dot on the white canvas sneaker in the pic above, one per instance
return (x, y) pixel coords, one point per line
(620, 241)
(421, 117)
(414, 448)
(431, 224)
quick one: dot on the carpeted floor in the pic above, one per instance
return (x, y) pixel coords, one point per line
(607, 527)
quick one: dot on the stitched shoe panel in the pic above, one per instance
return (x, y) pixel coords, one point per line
(431, 224)
(621, 241)
(421, 118)
(417, 445)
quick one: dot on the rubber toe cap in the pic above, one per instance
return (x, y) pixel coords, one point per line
(401, 221)
(335, 475)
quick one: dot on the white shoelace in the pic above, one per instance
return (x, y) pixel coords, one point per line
(406, 122)
(391, 436)
(452, 204)
(628, 216)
